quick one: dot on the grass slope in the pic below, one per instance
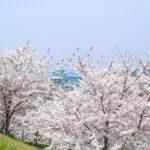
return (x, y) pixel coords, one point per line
(8, 143)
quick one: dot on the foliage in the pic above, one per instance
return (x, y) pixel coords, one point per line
(106, 111)
(21, 82)
(109, 110)
(37, 137)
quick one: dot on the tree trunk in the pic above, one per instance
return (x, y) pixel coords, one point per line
(5, 127)
(9, 114)
(7, 121)
(106, 141)
(2, 127)
(7, 124)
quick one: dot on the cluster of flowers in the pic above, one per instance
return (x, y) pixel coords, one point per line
(109, 110)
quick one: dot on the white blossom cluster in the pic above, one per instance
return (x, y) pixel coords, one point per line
(109, 110)
(22, 80)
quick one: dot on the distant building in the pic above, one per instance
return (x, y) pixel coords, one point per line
(58, 75)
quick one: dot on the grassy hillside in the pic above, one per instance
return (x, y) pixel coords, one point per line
(8, 143)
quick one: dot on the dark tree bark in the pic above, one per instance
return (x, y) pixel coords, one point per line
(106, 140)
(106, 143)
(8, 116)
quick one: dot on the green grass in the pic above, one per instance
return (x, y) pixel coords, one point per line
(38, 145)
(9, 143)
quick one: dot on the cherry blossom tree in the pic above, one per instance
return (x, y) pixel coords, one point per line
(22, 80)
(110, 110)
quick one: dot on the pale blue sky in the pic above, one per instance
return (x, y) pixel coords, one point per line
(64, 25)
